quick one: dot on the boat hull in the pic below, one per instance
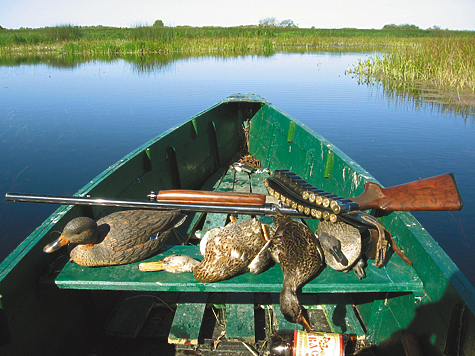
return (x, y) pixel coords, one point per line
(49, 304)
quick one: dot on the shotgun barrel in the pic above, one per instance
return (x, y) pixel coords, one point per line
(267, 209)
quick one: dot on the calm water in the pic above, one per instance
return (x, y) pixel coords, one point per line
(61, 126)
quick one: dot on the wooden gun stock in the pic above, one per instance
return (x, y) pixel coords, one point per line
(436, 193)
(209, 197)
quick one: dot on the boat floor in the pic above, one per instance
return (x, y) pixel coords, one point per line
(164, 313)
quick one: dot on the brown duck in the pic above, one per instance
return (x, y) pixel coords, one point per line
(227, 252)
(119, 238)
(296, 248)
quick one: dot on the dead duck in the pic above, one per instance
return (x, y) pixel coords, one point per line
(227, 251)
(119, 238)
(296, 248)
(342, 247)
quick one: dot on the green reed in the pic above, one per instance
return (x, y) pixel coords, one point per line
(444, 63)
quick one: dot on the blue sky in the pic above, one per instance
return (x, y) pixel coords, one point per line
(452, 14)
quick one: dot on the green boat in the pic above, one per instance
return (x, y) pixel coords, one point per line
(50, 306)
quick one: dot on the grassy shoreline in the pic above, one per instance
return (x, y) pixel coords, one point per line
(439, 60)
(146, 39)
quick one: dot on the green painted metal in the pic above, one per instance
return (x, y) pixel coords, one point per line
(391, 301)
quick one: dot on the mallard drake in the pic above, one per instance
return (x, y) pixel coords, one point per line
(119, 238)
(227, 251)
(341, 243)
(296, 248)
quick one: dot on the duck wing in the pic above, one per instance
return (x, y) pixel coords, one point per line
(230, 251)
(134, 228)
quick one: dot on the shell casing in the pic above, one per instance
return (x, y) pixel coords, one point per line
(293, 205)
(266, 183)
(319, 200)
(271, 191)
(313, 212)
(288, 202)
(333, 218)
(300, 208)
(326, 202)
(319, 214)
(326, 215)
(277, 195)
(305, 194)
(306, 211)
(283, 198)
(311, 198)
(336, 208)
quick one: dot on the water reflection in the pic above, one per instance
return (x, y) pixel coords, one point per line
(152, 62)
(421, 97)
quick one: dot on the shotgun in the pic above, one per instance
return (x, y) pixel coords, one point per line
(290, 194)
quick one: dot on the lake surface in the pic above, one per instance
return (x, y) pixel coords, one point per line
(60, 126)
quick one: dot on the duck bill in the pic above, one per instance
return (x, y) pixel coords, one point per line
(55, 245)
(305, 324)
(151, 266)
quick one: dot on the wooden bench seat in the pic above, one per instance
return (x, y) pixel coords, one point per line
(396, 276)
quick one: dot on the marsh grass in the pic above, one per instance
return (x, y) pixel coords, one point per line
(440, 63)
(55, 37)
